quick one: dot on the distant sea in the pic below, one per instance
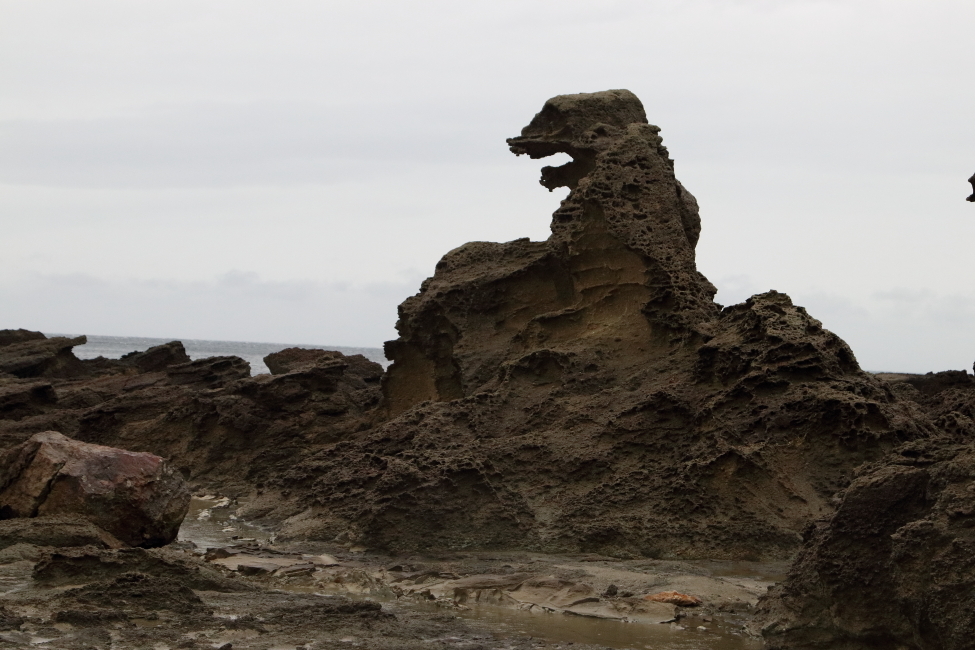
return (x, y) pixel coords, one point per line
(113, 347)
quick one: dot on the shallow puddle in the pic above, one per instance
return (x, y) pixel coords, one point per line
(611, 634)
(211, 523)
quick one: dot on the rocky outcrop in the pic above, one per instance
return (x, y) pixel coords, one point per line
(582, 393)
(617, 274)
(893, 568)
(27, 354)
(290, 359)
(242, 434)
(159, 357)
(221, 427)
(9, 337)
(136, 497)
(585, 393)
(211, 372)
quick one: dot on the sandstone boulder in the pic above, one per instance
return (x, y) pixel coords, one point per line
(137, 497)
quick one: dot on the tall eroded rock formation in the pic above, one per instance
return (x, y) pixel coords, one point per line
(585, 392)
(617, 274)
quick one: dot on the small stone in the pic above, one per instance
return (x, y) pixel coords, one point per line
(674, 598)
(296, 570)
(256, 567)
(218, 553)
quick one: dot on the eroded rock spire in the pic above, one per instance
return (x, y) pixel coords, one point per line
(622, 184)
(617, 272)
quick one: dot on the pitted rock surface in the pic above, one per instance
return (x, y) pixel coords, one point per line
(893, 568)
(585, 393)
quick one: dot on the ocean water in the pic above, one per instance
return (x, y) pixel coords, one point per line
(113, 347)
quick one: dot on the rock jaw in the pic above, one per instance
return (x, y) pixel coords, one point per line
(619, 266)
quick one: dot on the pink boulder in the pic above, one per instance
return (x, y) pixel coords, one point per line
(137, 497)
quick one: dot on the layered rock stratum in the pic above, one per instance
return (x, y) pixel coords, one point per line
(586, 393)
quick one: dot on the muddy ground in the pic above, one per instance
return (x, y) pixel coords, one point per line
(227, 582)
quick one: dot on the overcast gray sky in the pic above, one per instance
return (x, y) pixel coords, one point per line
(289, 171)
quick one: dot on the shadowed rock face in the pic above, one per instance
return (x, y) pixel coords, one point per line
(893, 568)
